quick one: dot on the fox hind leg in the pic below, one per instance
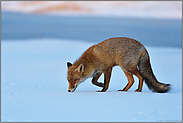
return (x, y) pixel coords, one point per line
(130, 81)
(95, 82)
(129, 70)
(138, 74)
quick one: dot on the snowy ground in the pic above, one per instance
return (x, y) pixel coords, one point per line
(34, 86)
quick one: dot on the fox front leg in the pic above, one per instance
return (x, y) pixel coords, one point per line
(107, 76)
(94, 80)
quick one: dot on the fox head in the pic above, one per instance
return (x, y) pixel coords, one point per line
(74, 76)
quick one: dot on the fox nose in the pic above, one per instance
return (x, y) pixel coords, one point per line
(69, 90)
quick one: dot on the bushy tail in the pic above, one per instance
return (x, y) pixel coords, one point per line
(148, 76)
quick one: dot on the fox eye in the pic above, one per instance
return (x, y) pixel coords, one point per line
(74, 80)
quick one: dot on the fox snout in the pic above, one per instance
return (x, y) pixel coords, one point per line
(72, 86)
(72, 89)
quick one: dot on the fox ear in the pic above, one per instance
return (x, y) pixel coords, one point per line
(80, 68)
(69, 64)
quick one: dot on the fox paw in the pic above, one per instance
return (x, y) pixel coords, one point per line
(100, 91)
(138, 90)
(121, 90)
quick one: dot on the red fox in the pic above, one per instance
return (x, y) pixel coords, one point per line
(101, 58)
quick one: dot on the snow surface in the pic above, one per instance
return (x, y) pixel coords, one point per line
(34, 86)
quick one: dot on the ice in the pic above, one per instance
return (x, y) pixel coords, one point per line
(34, 86)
